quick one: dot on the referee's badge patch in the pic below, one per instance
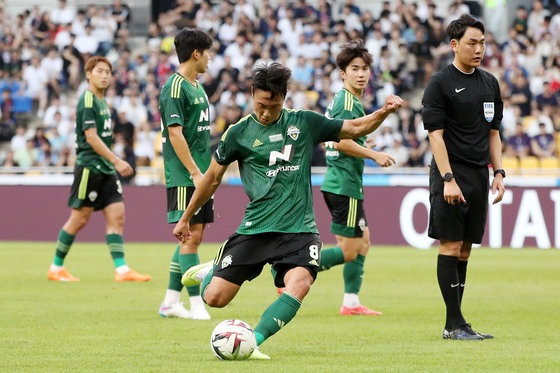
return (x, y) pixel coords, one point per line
(488, 111)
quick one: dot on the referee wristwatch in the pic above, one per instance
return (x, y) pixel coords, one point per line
(448, 177)
(500, 171)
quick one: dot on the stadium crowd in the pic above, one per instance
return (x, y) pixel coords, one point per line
(43, 51)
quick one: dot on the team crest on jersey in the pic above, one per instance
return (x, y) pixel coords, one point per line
(92, 195)
(226, 261)
(362, 224)
(293, 132)
(488, 111)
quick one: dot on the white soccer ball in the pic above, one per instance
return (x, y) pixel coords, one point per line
(233, 340)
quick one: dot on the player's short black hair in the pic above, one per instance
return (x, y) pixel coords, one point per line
(457, 28)
(352, 50)
(188, 40)
(272, 78)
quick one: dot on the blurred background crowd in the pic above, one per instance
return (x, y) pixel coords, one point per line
(43, 50)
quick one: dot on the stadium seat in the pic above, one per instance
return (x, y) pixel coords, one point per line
(549, 163)
(510, 164)
(529, 163)
(22, 104)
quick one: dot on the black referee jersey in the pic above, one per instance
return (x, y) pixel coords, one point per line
(466, 107)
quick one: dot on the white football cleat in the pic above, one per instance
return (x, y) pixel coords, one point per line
(175, 310)
(199, 312)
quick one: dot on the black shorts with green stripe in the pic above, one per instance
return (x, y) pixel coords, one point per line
(94, 189)
(242, 257)
(348, 215)
(178, 199)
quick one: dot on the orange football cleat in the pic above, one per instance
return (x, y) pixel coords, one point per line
(131, 275)
(61, 275)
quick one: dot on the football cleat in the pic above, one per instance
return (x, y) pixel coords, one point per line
(280, 291)
(131, 275)
(195, 275)
(175, 310)
(360, 310)
(258, 355)
(61, 275)
(199, 312)
(463, 333)
(483, 335)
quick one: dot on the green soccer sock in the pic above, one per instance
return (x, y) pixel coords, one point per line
(187, 261)
(63, 244)
(116, 247)
(175, 272)
(353, 273)
(331, 257)
(278, 314)
(206, 282)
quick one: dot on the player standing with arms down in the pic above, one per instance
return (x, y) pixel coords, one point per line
(185, 126)
(273, 147)
(95, 186)
(343, 188)
(462, 110)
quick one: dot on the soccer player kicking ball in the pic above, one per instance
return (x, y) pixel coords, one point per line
(342, 188)
(273, 147)
(462, 111)
(95, 186)
(185, 126)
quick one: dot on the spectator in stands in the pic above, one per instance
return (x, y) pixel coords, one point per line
(144, 149)
(27, 155)
(7, 116)
(546, 98)
(519, 145)
(87, 44)
(542, 145)
(520, 20)
(416, 149)
(521, 94)
(121, 13)
(398, 151)
(35, 79)
(62, 14)
(53, 64)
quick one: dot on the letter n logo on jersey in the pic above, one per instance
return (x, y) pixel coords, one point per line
(488, 111)
(204, 115)
(286, 155)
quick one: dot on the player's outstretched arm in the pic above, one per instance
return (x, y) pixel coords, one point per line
(351, 148)
(210, 181)
(356, 128)
(100, 148)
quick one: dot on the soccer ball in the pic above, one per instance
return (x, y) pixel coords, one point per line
(233, 340)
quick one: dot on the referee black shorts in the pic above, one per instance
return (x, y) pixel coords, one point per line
(242, 257)
(460, 222)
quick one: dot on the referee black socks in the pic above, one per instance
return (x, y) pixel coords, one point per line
(448, 279)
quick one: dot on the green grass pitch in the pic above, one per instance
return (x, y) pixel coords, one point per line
(97, 325)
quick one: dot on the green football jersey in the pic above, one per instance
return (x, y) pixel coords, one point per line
(275, 167)
(182, 103)
(92, 112)
(344, 172)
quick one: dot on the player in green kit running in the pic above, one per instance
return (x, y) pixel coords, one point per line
(185, 126)
(342, 188)
(273, 147)
(95, 186)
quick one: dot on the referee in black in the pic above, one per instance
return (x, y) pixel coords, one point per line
(462, 111)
